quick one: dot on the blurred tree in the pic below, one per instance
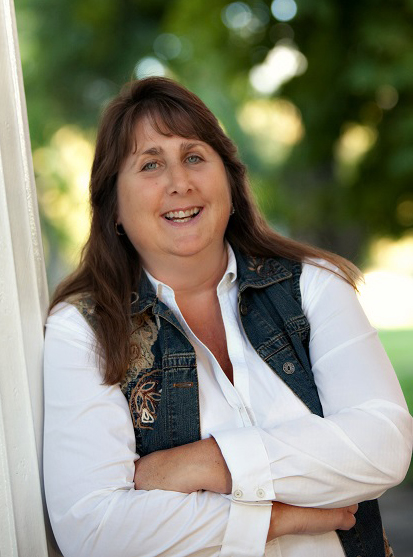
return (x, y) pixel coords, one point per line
(341, 181)
(360, 55)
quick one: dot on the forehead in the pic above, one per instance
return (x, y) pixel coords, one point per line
(169, 120)
(148, 130)
(148, 133)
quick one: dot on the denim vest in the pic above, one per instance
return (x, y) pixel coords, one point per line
(161, 384)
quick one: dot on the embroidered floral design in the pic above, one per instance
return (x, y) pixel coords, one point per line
(144, 400)
(143, 336)
(255, 264)
(145, 394)
(265, 267)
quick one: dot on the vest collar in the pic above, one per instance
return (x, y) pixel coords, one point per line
(258, 272)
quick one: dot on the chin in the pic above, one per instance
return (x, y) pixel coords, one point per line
(188, 247)
(187, 252)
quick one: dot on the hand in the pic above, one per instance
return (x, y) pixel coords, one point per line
(288, 519)
(187, 468)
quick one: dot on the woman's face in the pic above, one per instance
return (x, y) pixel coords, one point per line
(173, 196)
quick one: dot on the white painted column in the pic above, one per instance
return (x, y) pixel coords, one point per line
(23, 307)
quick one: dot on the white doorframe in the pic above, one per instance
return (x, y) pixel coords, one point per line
(23, 308)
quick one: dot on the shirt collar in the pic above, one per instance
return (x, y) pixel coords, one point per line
(163, 291)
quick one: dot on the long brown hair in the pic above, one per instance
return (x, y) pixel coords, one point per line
(109, 266)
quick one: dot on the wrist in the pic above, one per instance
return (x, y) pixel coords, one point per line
(277, 525)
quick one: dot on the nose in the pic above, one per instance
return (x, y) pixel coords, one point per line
(178, 180)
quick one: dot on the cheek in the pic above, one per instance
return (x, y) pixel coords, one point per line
(130, 200)
(139, 205)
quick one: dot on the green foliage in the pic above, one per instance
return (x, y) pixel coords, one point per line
(399, 347)
(77, 53)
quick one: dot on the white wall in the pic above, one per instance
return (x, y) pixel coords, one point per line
(23, 307)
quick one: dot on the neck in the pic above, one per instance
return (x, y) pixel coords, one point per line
(193, 274)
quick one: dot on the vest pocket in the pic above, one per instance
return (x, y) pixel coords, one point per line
(281, 357)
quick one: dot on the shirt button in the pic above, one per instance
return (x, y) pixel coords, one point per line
(260, 493)
(288, 368)
(238, 494)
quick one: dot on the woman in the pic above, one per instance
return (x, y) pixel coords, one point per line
(183, 416)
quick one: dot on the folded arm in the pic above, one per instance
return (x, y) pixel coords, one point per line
(201, 466)
(362, 446)
(89, 468)
(193, 467)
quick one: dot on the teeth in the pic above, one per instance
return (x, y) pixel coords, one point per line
(182, 216)
(186, 219)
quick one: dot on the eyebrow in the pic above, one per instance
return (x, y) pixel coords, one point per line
(185, 146)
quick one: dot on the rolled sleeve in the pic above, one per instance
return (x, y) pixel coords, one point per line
(247, 529)
(247, 460)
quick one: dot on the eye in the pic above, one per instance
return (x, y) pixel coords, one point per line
(193, 159)
(152, 165)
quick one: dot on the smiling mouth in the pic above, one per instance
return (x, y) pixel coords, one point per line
(182, 216)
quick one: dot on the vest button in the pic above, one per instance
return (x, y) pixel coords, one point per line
(238, 494)
(288, 368)
(243, 309)
(260, 493)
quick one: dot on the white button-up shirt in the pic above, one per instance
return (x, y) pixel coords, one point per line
(274, 447)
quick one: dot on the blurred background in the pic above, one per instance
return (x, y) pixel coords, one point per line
(317, 94)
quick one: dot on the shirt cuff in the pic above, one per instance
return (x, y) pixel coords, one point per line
(247, 460)
(247, 529)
